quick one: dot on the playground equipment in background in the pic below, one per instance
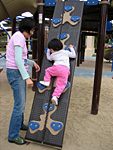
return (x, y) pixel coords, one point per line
(4, 35)
(3, 40)
(108, 54)
(112, 60)
(108, 26)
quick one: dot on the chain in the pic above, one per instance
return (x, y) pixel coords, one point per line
(44, 131)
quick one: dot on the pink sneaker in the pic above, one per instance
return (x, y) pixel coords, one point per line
(54, 100)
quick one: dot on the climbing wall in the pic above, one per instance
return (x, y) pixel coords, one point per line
(47, 122)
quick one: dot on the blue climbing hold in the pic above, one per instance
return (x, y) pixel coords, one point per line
(67, 85)
(111, 53)
(62, 36)
(91, 2)
(40, 86)
(51, 107)
(67, 8)
(33, 125)
(56, 20)
(56, 126)
(67, 48)
(50, 2)
(46, 50)
(75, 18)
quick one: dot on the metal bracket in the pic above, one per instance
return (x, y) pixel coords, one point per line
(34, 39)
(104, 2)
(34, 79)
(40, 4)
(34, 59)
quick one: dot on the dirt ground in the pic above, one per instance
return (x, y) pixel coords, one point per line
(84, 131)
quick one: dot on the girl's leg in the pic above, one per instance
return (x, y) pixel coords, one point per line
(60, 85)
(49, 72)
(19, 92)
(61, 81)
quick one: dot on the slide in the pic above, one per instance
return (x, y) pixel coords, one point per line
(47, 122)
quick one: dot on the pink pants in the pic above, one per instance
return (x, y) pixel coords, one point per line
(62, 73)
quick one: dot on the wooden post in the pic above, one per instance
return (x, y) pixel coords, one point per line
(78, 52)
(81, 44)
(41, 28)
(83, 49)
(99, 57)
(34, 57)
(38, 41)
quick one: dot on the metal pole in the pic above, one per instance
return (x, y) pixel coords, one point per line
(99, 57)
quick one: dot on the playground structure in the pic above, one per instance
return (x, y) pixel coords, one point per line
(107, 54)
(42, 111)
(4, 38)
(50, 129)
(5, 35)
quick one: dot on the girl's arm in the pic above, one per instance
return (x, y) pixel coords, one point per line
(49, 55)
(72, 54)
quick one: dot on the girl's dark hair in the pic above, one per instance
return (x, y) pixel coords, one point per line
(27, 24)
(55, 44)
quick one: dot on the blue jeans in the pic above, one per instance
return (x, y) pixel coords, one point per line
(19, 93)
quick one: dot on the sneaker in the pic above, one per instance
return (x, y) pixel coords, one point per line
(54, 100)
(24, 127)
(20, 141)
(46, 83)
